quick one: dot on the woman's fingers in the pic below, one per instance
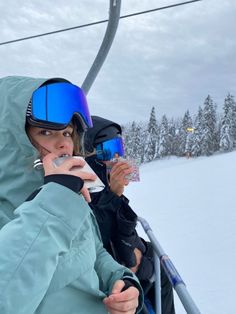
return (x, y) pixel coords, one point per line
(83, 174)
(71, 166)
(48, 165)
(85, 192)
(71, 162)
(121, 169)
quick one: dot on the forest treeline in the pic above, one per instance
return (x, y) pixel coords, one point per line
(202, 134)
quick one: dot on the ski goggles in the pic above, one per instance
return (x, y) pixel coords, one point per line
(54, 105)
(110, 149)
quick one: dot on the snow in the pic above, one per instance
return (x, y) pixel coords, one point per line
(190, 206)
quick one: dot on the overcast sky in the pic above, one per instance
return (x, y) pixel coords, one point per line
(170, 59)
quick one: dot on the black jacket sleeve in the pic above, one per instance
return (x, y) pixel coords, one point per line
(104, 205)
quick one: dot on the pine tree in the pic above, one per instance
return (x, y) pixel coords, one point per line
(233, 119)
(184, 135)
(197, 134)
(127, 137)
(152, 137)
(177, 138)
(143, 139)
(228, 127)
(164, 139)
(172, 138)
(138, 144)
(209, 138)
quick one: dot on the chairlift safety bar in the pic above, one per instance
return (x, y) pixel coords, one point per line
(170, 271)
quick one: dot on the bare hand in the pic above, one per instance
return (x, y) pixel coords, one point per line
(138, 254)
(125, 302)
(66, 168)
(118, 177)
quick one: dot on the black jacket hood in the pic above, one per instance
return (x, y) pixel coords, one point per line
(102, 130)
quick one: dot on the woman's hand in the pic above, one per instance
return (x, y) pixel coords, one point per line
(138, 255)
(70, 166)
(118, 177)
(125, 302)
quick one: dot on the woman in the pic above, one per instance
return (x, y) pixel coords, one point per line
(52, 259)
(116, 219)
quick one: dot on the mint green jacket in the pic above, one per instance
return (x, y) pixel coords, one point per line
(51, 256)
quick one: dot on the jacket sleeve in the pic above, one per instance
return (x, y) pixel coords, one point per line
(31, 244)
(105, 205)
(116, 271)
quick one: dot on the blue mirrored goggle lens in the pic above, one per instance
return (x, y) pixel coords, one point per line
(110, 149)
(58, 102)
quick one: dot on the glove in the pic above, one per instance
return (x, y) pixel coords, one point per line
(126, 238)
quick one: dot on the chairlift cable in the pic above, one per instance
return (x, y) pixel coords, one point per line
(95, 23)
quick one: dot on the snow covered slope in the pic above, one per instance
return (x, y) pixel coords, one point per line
(191, 206)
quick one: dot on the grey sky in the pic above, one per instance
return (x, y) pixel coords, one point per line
(170, 59)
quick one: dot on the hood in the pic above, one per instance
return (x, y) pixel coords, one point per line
(18, 178)
(99, 127)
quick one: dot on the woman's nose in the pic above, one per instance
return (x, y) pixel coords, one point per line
(62, 142)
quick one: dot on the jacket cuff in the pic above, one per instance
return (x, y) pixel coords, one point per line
(126, 220)
(71, 182)
(131, 281)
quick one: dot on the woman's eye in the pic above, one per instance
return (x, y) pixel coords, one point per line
(67, 134)
(45, 132)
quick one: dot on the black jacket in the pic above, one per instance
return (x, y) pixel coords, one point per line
(117, 223)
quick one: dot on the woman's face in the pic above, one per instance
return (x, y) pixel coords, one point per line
(51, 141)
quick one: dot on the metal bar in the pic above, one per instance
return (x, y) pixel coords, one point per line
(114, 16)
(157, 268)
(170, 271)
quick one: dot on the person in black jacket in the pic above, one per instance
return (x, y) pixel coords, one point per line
(116, 219)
